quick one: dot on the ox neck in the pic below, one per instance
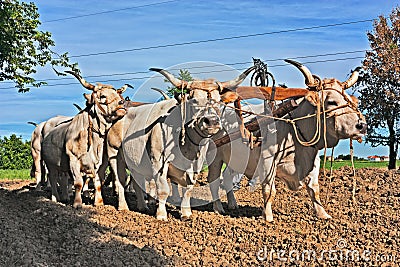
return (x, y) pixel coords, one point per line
(307, 127)
(194, 136)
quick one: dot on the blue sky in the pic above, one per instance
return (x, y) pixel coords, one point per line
(138, 25)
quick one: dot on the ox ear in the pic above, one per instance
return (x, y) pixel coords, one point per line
(89, 98)
(229, 97)
(312, 97)
(354, 99)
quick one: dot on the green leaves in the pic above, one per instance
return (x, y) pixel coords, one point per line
(14, 153)
(183, 75)
(23, 47)
(380, 86)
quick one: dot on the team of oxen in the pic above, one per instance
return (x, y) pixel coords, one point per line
(171, 140)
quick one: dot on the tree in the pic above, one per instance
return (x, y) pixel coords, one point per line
(380, 85)
(15, 154)
(23, 47)
(183, 75)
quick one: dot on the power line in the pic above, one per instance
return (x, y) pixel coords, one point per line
(109, 11)
(220, 39)
(206, 66)
(201, 72)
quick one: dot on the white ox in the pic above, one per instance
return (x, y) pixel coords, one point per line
(296, 160)
(77, 147)
(38, 169)
(153, 146)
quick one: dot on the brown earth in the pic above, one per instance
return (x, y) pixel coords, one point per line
(37, 232)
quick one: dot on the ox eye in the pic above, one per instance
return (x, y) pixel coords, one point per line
(332, 103)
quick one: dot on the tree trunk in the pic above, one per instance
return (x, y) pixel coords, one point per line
(392, 147)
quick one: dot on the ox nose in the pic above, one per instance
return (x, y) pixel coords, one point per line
(362, 127)
(211, 121)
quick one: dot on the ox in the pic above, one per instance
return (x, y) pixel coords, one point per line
(112, 155)
(160, 142)
(38, 170)
(77, 147)
(295, 145)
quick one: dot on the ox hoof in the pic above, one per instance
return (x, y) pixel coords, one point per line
(99, 203)
(217, 207)
(325, 216)
(233, 207)
(77, 205)
(268, 218)
(86, 194)
(186, 218)
(162, 218)
(123, 207)
(145, 210)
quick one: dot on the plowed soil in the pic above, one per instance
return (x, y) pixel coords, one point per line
(37, 232)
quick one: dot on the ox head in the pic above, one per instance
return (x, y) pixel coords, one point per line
(107, 100)
(343, 118)
(202, 99)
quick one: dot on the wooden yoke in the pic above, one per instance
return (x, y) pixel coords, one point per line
(254, 125)
(264, 93)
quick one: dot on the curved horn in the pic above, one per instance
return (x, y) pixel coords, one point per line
(33, 123)
(235, 82)
(81, 80)
(352, 80)
(309, 79)
(78, 107)
(124, 87)
(161, 92)
(175, 81)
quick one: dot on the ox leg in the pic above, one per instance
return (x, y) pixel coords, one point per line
(227, 179)
(78, 182)
(186, 211)
(152, 192)
(313, 192)
(63, 181)
(175, 196)
(213, 178)
(53, 184)
(118, 170)
(85, 188)
(138, 183)
(162, 193)
(98, 198)
(269, 192)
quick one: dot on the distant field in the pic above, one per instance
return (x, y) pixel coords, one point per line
(25, 174)
(15, 174)
(358, 164)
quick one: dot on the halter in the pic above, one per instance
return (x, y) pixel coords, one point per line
(197, 115)
(91, 128)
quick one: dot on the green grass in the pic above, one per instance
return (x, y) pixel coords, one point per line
(15, 174)
(358, 164)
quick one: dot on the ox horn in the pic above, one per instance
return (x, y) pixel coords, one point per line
(161, 92)
(352, 80)
(175, 81)
(77, 107)
(33, 123)
(309, 79)
(81, 80)
(235, 82)
(124, 87)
